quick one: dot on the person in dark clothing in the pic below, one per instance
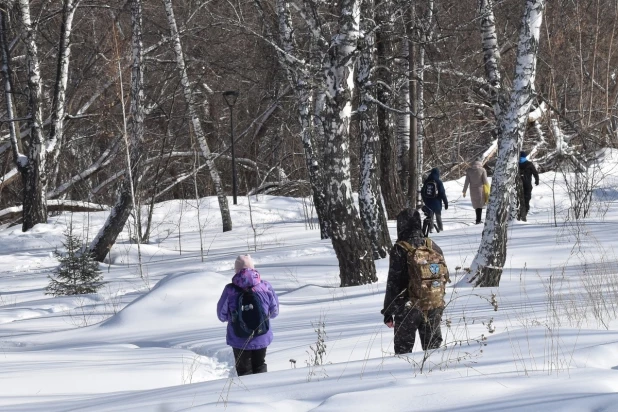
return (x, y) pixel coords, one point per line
(407, 319)
(434, 202)
(526, 171)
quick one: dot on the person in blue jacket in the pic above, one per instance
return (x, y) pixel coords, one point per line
(433, 195)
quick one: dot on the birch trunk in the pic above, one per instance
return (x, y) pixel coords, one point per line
(193, 114)
(300, 80)
(119, 214)
(426, 35)
(414, 177)
(403, 120)
(489, 261)
(14, 138)
(388, 163)
(369, 196)
(491, 53)
(56, 132)
(32, 167)
(350, 242)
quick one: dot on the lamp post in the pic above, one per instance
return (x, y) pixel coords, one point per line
(230, 97)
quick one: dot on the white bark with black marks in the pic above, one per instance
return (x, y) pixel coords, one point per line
(56, 132)
(369, 194)
(491, 52)
(300, 79)
(491, 256)
(350, 241)
(32, 167)
(403, 119)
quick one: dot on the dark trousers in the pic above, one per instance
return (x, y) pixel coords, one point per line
(527, 197)
(250, 361)
(479, 214)
(408, 321)
(438, 217)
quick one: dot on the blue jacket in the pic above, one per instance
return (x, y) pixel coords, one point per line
(247, 278)
(435, 204)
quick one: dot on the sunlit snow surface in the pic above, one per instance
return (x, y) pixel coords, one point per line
(155, 343)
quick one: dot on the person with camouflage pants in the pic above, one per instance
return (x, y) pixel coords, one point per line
(398, 314)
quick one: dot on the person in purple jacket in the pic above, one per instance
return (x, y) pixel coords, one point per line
(249, 353)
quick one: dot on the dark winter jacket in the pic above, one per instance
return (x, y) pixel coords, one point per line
(409, 227)
(247, 278)
(526, 171)
(435, 204)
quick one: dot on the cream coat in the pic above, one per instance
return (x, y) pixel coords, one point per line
(476, 177)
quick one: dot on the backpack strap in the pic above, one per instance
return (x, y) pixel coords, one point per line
(428, 243)
(406, 246)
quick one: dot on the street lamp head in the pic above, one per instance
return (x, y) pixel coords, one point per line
(230, 97)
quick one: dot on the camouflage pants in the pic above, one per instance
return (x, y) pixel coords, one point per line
(408, 321)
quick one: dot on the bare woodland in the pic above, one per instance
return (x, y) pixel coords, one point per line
(117, 104)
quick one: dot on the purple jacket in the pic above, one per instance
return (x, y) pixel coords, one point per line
(247, 278)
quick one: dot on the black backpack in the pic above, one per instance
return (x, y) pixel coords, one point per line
(430, 189)
(249, 318)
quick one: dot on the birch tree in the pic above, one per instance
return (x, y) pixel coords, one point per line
(125, 203)
(369, 196)
(187, 89)
(300, 76)
(41, 149)
(32, 167)
(350, 242)
(489, 261)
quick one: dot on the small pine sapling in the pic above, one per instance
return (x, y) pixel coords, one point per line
(78, 272)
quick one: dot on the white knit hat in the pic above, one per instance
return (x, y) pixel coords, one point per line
(243, 262)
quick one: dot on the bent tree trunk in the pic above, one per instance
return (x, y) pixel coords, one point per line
(195, 121)
(119, 214)
(350, 242)
(369, 196)
(489, 261)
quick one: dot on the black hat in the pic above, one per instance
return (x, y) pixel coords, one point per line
(523, 154)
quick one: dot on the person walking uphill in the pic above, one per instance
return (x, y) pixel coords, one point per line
(417, 275)
(476, 178)
(526, 171)
(433, 195)
(247, 305)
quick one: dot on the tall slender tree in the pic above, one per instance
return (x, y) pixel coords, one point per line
(487, 266)
(125, 203)
(369, 194)
(187, 89)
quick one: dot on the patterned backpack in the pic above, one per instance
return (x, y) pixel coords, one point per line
(430, 189)
(428, 276)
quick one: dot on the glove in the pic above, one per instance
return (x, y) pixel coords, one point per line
(446, 206)
(536, 183)
(464, 194)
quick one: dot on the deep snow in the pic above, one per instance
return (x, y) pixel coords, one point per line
(155, 344)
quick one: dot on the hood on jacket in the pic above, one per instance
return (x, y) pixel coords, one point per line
(476, 164)
(409, 224)
(434, 174)
(246, 278)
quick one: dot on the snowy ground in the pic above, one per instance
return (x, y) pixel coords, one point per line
(153, 342)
